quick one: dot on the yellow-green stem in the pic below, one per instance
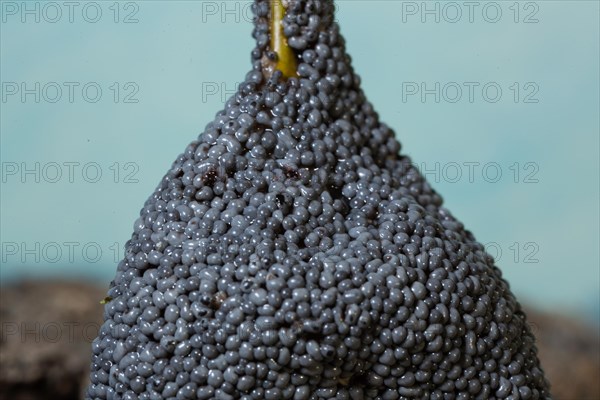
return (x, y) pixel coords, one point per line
(286, 59)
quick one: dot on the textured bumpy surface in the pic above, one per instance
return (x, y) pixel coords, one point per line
(292, 252)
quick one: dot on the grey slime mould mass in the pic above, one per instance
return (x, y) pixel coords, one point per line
(292, 252)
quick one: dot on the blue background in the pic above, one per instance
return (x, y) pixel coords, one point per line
(183, 58)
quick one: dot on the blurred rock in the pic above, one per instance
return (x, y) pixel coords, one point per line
(569, 352)
(46, 331)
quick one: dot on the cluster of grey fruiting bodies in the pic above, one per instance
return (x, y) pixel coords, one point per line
(291, 252)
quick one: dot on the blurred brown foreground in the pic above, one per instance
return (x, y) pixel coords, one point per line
(46, 329)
